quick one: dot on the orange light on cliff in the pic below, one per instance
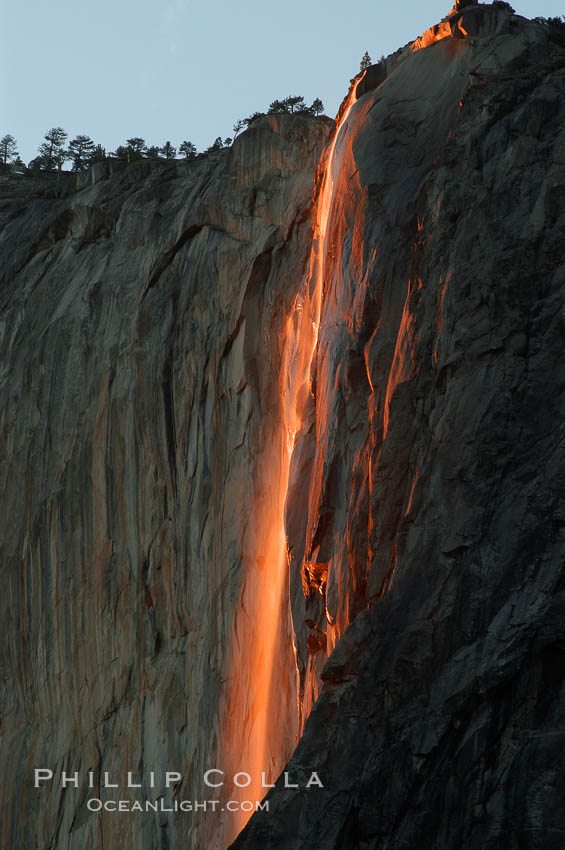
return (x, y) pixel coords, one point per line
(254, 742)
(302, 325)
(403, 359)
(256, 733)
(301, 343)
(431, 35)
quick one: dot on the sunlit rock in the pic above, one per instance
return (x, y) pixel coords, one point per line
(216, 378)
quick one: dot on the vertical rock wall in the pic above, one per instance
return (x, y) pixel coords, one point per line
(435, 488)
(140, 347)
(141, 325)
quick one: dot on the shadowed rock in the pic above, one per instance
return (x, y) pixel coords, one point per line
(439, 403)
(142, 327)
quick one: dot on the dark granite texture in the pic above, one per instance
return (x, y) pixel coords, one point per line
(141, 323)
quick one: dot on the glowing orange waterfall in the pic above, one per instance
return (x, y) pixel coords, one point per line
(303, 322)
(262, 719)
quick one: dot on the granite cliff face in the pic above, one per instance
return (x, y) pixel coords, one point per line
(144, 324)
(435, 503)
(138, 320)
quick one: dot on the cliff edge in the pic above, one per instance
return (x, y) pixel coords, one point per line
(143, 320)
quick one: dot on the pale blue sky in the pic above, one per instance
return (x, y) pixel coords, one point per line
(187, 70)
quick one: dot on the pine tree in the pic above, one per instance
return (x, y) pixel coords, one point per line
(37, 164)
(121, 152)
(278, 106)
(217, 145)
(294, 103)
(8, 149)
(238, 127)
(168, 151)
(188, 149)
(136, 148)
(366, 61)
(97, 155)
(253, 117)
(153, 152)
(317, 106)
(52, 151)
(80, 151)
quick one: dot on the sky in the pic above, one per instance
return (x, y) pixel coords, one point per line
(182, 69)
